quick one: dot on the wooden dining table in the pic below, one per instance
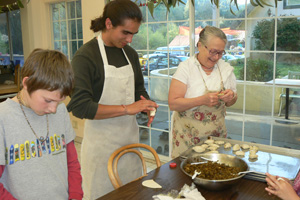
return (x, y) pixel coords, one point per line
(174, 179)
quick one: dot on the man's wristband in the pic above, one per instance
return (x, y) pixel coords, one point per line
(125, 109)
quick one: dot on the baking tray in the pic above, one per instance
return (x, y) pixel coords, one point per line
(274, 160)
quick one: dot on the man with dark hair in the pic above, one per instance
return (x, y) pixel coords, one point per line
(109, 91)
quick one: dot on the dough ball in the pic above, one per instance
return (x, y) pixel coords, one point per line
(252, 154)
(245, 146)
(219, 142)
(236, 147)
(212, 148)
(240, 153)
(210, 141)
(227, 145)
(204, 146)
(255, 148)
(214, 145)
(198, 149)
(152, 112)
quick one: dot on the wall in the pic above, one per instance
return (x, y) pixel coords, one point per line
(36, 32)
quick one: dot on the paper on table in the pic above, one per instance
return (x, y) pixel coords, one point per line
(189, 192)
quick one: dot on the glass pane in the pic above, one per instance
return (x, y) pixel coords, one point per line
(56, 32)
(157, 35)
(235, 33)
(180, 12)
(16, 35)
(72, 29)
(259, 67)
(73, 48)
(79, 29)
(288, 7)
(55, 13)
(179, 39)
(4, 44)
(159, 86)
(286, 135)
(287, 66)
(257, 130)
(144, 10)
(286, 62)
(230, 10)
(160, 142)
(139, 40)
(238, 106)
(204, 10)
(63, 30)
(80, 43)
(258, 11)
(57, 45)
(71, 10)
(160, 14)
(234, 125)
(258, 99)
(287, 40)
(261, 34)
(65, 47)
(78, 9)
(62, 11)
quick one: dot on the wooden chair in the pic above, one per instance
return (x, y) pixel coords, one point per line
(296, 92)
(114, 158)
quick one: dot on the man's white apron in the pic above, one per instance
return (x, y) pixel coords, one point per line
(103, 137)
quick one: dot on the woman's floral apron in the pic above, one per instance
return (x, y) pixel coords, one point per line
(190, 126)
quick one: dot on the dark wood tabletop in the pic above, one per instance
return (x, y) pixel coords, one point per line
(169, 179)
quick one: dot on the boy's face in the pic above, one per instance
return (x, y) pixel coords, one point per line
(121, 35)
(44, 102)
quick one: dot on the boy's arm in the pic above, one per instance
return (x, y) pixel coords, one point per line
(74, 175)
(4, 194)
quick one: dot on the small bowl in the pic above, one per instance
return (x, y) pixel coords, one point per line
(229, 160)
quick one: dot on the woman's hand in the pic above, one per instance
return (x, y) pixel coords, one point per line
(226, 96)
(280, 187)
(211, 99)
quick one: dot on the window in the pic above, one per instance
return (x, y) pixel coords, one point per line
(262, 47)
(11, 45)
(67, 27)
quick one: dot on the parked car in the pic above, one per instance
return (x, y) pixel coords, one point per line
(228, 57)
(160, 62)
(183, 58)
(142, 59)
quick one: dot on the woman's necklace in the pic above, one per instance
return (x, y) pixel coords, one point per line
(41, 139)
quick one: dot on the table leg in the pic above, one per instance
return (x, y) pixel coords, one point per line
(287, 105)
(287, 100)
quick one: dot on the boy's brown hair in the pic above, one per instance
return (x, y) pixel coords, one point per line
(49, 70)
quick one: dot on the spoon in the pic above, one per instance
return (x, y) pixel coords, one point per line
(207, 159)
(195, 174)
(196, 163)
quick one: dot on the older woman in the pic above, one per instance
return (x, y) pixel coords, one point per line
(200, 90)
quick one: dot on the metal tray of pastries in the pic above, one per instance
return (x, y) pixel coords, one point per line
(274, 160)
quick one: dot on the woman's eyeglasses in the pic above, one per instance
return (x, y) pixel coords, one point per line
(214, 52)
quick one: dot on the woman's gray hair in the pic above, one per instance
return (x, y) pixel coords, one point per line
(209, 31)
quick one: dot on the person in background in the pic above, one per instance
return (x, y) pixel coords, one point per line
(283, 187)
(109, 92)
(201, 89)
(38, 159)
